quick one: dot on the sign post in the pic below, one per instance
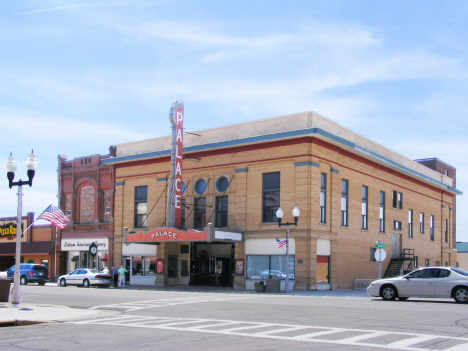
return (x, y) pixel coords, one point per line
(380, 254)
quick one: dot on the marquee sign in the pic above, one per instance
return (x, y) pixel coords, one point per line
(178, 117)
(167, 234)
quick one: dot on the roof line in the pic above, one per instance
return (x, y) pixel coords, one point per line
(276, 136)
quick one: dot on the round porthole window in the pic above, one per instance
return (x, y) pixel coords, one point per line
(222, 184)
(200, 186)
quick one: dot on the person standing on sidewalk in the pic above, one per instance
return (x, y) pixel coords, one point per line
(122, 272)
(116, 276)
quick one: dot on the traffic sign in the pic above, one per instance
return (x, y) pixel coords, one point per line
(379, 244)
(380, 255)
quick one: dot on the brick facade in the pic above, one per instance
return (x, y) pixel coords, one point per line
(300, 147)
(86, 195)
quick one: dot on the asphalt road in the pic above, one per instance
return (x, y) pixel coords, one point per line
(177, 320)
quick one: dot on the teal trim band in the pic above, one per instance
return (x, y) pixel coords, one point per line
(334, 170)
(279, 136)
(242, 170)
(298, 164)
(118, 184)
(161, 179)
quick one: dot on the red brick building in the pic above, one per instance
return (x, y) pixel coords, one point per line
(86, 193)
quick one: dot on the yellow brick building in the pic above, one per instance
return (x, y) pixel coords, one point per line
(351, 193)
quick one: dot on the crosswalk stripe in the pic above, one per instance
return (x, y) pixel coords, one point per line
(412, 341)
(247, 329)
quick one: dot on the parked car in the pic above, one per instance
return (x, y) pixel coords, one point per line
(279, 274)
(434, 282)
(86, 277)
(30, 273)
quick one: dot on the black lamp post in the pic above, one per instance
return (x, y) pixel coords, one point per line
(10, 167)
(279, 215)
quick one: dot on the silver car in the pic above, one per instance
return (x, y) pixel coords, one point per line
(85, 277)
(432, 282)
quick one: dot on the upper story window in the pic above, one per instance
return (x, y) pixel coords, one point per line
(271, 196)
(397, 200)
(421, 222)
(410, 223)
(222, 184)
(382, 212)
(431, 226)
(182, 213)
(221, 211)
(365, 195)
(446, 230)
(397, 225)
(87, 197)
(141, 194)
(200, 212)
(344, 202)
(200, 186)
(323, 198)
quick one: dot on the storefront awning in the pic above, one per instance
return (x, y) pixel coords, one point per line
(157, 235)
(36, 248)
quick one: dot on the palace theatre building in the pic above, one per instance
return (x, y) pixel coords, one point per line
(351, 193)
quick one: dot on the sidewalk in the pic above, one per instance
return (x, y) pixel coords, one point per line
(26, 313)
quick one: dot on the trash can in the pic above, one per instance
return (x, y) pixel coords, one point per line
(4, 290)
(273, 284)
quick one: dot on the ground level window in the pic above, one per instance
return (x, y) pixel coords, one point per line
(143, 265)
(322, 269)
(260, 267)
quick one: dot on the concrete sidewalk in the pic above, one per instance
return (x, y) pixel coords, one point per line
(26, 313)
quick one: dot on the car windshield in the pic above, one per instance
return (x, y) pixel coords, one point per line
(460, 271)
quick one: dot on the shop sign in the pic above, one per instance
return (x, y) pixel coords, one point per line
(159, 266)
(174, 206)
(8, 230)
(84, 244)
(167, 234)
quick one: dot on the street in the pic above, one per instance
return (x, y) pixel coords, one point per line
(124, 319)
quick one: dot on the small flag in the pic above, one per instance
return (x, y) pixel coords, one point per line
(55, 216)
(280, 243)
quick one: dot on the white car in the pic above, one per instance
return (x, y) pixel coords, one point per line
(438, 282)
(85, 277)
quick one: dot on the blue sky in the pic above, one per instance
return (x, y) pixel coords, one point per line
(79, 76)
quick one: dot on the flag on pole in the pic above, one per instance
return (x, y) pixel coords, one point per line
(55, 216)
(280, 243)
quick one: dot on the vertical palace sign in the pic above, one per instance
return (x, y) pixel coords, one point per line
(174, 199)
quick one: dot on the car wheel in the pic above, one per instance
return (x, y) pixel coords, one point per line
(23, 280)
(63, 282)
(388, 293)
(86, 283)
(461, 295)
(402, 298)
(41, 283)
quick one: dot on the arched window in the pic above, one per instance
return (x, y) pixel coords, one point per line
(87, 198)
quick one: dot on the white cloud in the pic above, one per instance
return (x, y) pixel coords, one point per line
(70, 7)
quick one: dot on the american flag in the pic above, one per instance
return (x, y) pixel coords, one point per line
(55, 216)
(280, 243)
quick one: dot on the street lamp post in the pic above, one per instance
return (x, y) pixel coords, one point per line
(279, 215)
(10, 167)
